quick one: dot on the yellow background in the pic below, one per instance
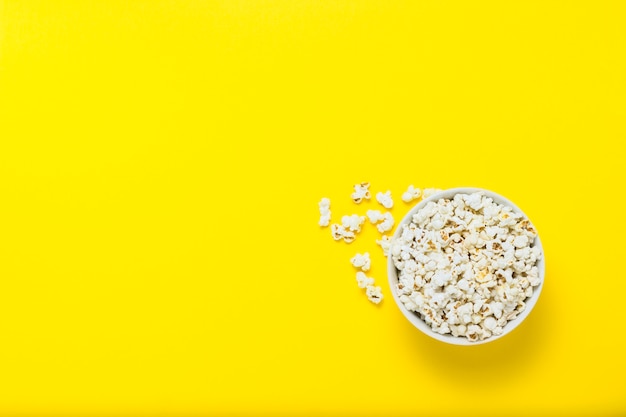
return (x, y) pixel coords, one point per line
(160, 167)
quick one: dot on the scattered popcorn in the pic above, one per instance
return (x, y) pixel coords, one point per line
(386, 224)
(375, 216)
(361, 191)
(385, 244)
(466, 265)
(385, 221)
(339, 232)
(385, 199)
(411, 194)
(363, 280)
(361, 261)
(374, 294)
(429, 191)
(324, 206)
(353, 222)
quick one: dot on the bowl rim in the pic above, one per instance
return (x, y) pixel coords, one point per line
(392, 272)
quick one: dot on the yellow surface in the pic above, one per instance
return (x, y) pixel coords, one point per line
(160, 168)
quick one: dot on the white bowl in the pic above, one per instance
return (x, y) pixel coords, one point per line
(415, 319)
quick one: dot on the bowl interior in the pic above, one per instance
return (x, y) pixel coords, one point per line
(415, 319)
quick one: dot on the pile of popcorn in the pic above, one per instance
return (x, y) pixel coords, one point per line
(351, 225)
(466, 265)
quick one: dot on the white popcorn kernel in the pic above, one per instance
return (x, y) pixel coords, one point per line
(396, 248)
(520, 241)
(463, 285)
(430, 191)
(408, 303)
(443, 329)
(497, 308)
(385, 244)
(473, 332)
(353, 222)
(375, 216)
(386, 224)
(490, 324)
(385, 199)
(483, 277)
(324, 219)
(523, 253)
(441, 277)
(475, 201)
(534, 251)
(405, 284)
(491, 231)
(361, 261)
(363, 280)
(324, 206)
(348, 237)
(461, 329)
(361, 191)
(524, 226)
(374, 294)
(411, 194)
(339, 232)
(533, 276)
(497, 331)
(439, 300)
(485, 310)
(418, 299)
(506, 219)
(437, 222)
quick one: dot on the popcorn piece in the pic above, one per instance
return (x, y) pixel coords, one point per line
(385, 199)
(324, 206)
(339, 232)
(466, 265)
(374, 294)
(375, 216)
(385, 244)
(363, 280)
(520, 241)
(353, 222)
(429, 191)
(361, 191)
(387, 223)
(411, 194)
(361, 261)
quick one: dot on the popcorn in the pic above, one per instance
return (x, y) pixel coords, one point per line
(353, 222)
(465, 265)
(324, 206)
(374, 294)
(363, 280)
(339, 232)
(520, 241)
(411, 194)
(385, 221)
(361, 191)
(375, 216)
(385, 199)
(361, 261)
(429, 191)
(385, 244)
(386, 224)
